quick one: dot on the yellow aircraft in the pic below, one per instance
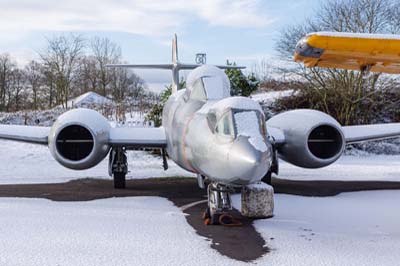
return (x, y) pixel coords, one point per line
(354, 51)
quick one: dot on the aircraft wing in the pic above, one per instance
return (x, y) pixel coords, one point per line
(142, 66)
(353, 51)
(130, 137)
(354, 134)
(31, 134)
(193, 66)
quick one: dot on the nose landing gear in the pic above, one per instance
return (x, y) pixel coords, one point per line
(219, 206)
(257, 202)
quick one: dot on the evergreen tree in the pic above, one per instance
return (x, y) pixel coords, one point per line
(241, 85)
(155, 113)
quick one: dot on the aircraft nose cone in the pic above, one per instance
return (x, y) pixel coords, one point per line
(247, 164)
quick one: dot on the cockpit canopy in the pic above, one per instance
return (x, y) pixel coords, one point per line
(236, 116)
(207, 83)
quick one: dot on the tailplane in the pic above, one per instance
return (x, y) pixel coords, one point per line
(175, 66)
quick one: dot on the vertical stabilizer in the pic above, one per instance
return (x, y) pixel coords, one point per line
(175, 63)
(175, 50)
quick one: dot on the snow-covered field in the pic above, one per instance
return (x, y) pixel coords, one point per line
(349, 168)
(349, 229)
(23, 163)
(360, 228)
(119, 231)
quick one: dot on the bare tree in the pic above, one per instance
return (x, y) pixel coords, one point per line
(369, 16)
(6, 67)
(263, 70)
(88, 75)
(61, 58)
(394, 17)
(67, 69)
(105, 52)
(17, 86)
(49, 86)
(34, 77)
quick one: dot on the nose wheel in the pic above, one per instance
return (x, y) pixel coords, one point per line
(219, 206)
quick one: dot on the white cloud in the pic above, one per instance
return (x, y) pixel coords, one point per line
(156, 17)
(241, 13)
(23, 56)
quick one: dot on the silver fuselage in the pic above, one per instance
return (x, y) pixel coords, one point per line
(193, 145)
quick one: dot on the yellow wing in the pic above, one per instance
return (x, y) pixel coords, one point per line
(354, 51)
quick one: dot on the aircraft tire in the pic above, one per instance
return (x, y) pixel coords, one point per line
(215, 219)
(119, 180)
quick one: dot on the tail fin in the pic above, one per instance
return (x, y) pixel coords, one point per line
(175, 59)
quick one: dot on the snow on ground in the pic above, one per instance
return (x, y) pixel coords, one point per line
(119, 231)
(29, 163)
(89, 98)
(368, 167)
(350, 229)
(360, 228)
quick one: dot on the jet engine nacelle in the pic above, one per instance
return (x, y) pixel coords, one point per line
(79, 139)
(313, 139)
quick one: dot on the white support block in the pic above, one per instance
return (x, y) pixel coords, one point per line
(258, 200)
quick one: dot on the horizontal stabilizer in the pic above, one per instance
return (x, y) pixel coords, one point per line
(175, 67)
(143, 66)
(353, 51)
(230, 67)
(193, 66)
(169, 66)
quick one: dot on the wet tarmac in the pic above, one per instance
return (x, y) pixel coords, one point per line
(241, 243)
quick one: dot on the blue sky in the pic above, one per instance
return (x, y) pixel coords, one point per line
(244, 31)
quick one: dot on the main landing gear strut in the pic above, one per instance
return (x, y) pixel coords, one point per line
(118, 167)
(219, 206)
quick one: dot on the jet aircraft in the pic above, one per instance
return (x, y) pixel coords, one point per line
(353, 51)
(224, 140)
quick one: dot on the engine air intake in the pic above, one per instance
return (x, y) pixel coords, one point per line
(325, 142)
(74, 142)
